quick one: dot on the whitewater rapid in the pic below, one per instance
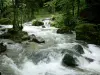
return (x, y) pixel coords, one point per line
(46, 59)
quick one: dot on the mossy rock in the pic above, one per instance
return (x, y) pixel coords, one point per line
(88, 32)
(37, 23)
(5, 21)
(15, 35)
(64, 30)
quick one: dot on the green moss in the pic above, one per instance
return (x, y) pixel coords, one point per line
(37, 23)
(5, 21)
(64, 29)
(17, 36)
(88, 32)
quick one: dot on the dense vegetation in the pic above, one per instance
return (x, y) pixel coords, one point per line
(68, 15)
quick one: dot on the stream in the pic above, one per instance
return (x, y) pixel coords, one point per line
(30, 58)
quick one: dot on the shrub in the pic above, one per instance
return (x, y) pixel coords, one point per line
(5, 21)
(37, 23)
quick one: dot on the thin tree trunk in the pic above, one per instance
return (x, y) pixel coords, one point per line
(73, 7)
(15, 10)
(1, 8)
(78, 7)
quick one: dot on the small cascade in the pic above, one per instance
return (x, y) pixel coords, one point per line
(47, 22)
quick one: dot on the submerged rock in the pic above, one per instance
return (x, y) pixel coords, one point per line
(43, 26)
(89, 59)
(69, 60)
(79, 48)
(3, 47)
(33, 38)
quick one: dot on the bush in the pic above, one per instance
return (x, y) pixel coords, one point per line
(5, 21)
(37, 23)
(53, 17)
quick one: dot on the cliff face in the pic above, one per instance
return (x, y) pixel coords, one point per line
(91, 13)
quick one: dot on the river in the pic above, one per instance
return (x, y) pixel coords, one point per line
(29, 58)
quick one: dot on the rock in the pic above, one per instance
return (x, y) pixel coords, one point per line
(36, 39)
(89, 59)
(25, 38)
(3, 48)
(3, 30)
(64, 30)
(37, 23)
(69, 60)
(79, 49)
(43, 26)
(87, 32)
(0, 26)
(5, 36)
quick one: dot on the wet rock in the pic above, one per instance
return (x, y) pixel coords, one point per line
(33, 38)
(89, 59)
(3, 47)
(69, 60)
(3, 30)
(43, 26)
(0, 26)
(5, 35)
(25, 38)
(79, 49)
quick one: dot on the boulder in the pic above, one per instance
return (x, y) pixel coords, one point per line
(33, 38)
(79, 48)
(69, 60)
(87, 32)
(3, 47)
(64, 30)
(37, 23)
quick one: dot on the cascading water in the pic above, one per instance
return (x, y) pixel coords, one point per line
(30, 58)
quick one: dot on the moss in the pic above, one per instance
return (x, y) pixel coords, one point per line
(53, 17)
(37, 23)
(5, 21)
(17, 36)
(64, 29)
(88, 32)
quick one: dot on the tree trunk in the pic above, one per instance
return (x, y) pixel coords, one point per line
(78, 7)
(73, 7)
(15, 10)
(1, 8)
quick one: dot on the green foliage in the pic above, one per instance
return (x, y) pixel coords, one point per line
(37, 23)
(64, 29)
(88, 32)
(5, 21)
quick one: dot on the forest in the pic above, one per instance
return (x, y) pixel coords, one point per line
(49, 37)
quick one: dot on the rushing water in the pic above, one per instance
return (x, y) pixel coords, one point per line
(29, 58)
